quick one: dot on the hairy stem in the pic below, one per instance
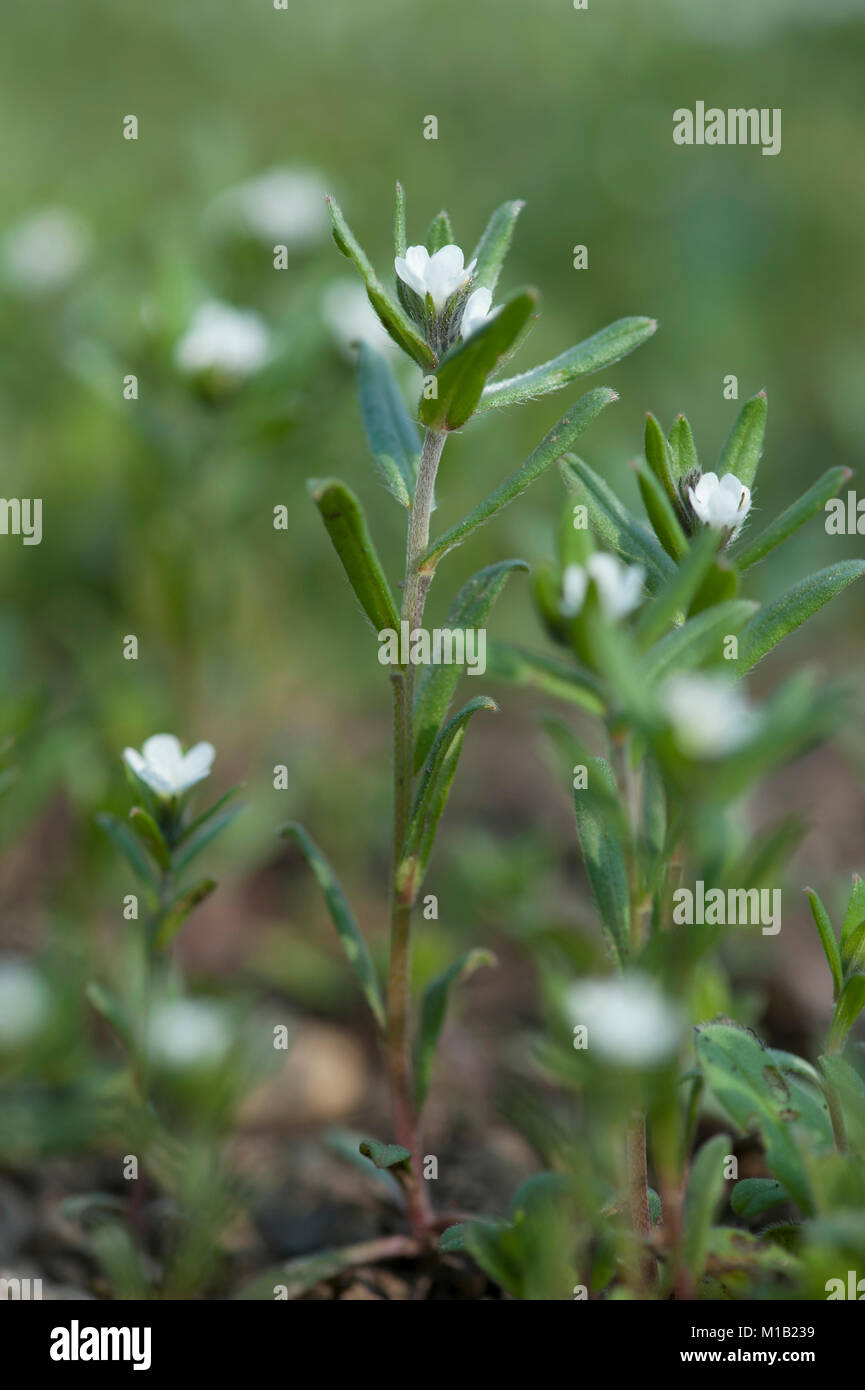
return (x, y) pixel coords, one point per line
(399, 971)
(638, 1197)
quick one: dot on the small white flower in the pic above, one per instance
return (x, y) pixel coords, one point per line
(619, 586)
(281, 207)
(25, 1004)
(44, 251)
(187, 1034)
(440, 275)
(721, 503)
(352, 319)
(476, 312)
(709, 716)
(233, 342)
(164, 766)
(629, 1021)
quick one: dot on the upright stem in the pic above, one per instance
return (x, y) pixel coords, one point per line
(399, 970)
(638, 1196)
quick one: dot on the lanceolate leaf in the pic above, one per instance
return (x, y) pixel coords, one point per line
(433, 1012)
(774, 622)
(346, 526)
(150, 835)
(752, 1196)
(469, 610)
(385, 1155)
(169, 925)
(196, 825)
(461, 376)
(550, 449)
(660, 458)
(129, 845)
(399, 236)
(705, 1190)
(854, 913)
(392, 433)
(795, 516)
(604, 856)
(593, 355)
(850, 1005)
(659, 510)
(698, 640)
(683, 448)
(493, 246)
(395, 320)
(614, 523)
(828, 941)
(560, 679)
(744, 445)
(432, 795)
(675, 598)
(439, 234)
(342, 917)
(203, 837)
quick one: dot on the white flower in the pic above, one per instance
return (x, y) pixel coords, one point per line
(440, 275)
(352, 319)
(619, 586)
(186, 1034)
(164, 766)
(44, 251)
(710, 717)
(282, 206)
(25, 1004)
(476, 312)
(234, 342)
(628, 1020)
(721, 503)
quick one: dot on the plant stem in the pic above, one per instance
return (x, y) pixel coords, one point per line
(399, 971)
(638, 1196)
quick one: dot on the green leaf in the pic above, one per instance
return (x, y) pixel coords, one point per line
(674, 599)
(604, 856)
(462, 373)
(431, 797)
(697, 640)
(661, 514)
(777, 620)
(850, 1090)
(168, 925)
(469, 610)
(347, 528)
(757, 1091)
(433, 1012)
(795, 516)
(753, 1196)
(855, 910)
(196, 825)
(828, 940)
(705, 1191)
(559, 679)
(550, 449)
(150, 835)
(661, 460)
(614, 523)
(109, 1006)
(440, 233)
(453, 1240)
(610, 345)
(204, 836)
(391, 432)
(683, 448)
(385, 1155)
(393, 317)
(399, 234)
(129, 846)
(744, 444)
(493, 246)
(342, 917)
(850, 1004)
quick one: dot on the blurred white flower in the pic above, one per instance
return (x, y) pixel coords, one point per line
(188, 1034)
(351, 318)
(44, 251)
(710, 717)
(282, 206)
(629, 1021)
(440, 275)
(619, 586)
(476, 312)
(233, 342)
(164, 766)
(722, 503)
(25, 1002)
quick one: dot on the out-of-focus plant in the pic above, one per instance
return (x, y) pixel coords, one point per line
(660, 633)
(440, 313)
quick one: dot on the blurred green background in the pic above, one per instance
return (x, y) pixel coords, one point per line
(158, 511)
